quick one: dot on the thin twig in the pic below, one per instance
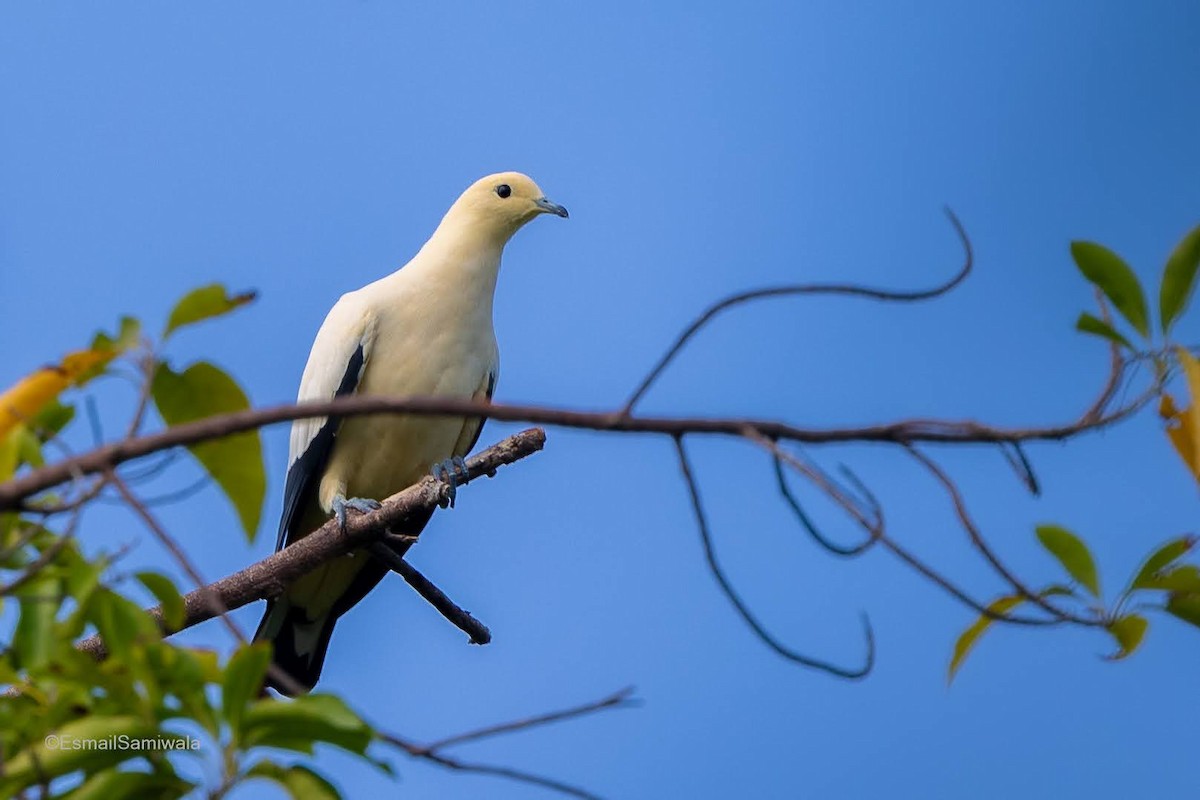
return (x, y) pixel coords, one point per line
(621, 697)
(181, 558)
(458, 765)
(876, 531)
(743, 610)
(973, 533)
(843, 289)
(432, 751)
(461, 618)
(47, 556)
(145, 364)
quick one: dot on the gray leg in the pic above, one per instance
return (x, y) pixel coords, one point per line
(362, 505)
(451, 471)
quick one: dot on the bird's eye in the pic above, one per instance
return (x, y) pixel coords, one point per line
(504, 190)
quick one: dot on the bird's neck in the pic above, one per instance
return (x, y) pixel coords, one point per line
(466, 260)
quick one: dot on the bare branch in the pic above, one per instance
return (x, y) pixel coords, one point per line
(432, 752)
(968, 524)
(876, 530)
(621, 697)
(461, 618)
(739, 604)
(843, 289)
(912, 430)
(211, 599)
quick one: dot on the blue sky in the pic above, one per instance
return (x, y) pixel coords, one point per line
(304, 149)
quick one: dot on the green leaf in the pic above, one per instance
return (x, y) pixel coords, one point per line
(1179, 279)
(1129, 631)
(83, 577)
(1098, 327)
(1186, 607)
(1180, 579)
(310, 718)
(234, 462)
(204, 303)
(114, 785)
(1072, 553)
(301, 782)
(168, 596)
(51, 419)
(1112, 275)
(52, 757)
(29, 447)
(242, 682)
(1161, 558)
(34, 640)
(185, 675)
(129, 333)
(120, 623)
(968, 638)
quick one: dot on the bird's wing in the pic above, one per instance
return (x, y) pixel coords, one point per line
(473, 426)
(335, 366)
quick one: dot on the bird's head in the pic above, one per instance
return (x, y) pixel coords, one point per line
(500, 204)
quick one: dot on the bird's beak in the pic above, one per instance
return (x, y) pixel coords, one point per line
(546, 207)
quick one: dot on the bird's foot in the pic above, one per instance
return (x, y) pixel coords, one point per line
(452, 472)
(363, 505)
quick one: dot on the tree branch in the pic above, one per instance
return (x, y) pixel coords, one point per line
(461, 618)
(714, 567)
(433, 751)
(105, 458)
(843, 289)
(270, 576)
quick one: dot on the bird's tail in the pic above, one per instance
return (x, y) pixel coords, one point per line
(299, 645)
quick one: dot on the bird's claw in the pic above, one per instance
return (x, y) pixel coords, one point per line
(363, 505)
(451, 471)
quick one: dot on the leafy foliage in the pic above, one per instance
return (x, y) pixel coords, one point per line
(204, 303)
(70, 721)
(1179, 279)
(234, 462)
(1183, 427)
(1160, 583)
(145, 721)
(1109, 272)
(1072, 553)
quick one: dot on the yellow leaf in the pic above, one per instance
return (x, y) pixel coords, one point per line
(29, 395)
(1183, 427)
(968, 638)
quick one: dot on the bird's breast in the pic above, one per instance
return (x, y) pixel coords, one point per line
(420, 353)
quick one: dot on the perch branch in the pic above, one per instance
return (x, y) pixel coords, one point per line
(267, 578)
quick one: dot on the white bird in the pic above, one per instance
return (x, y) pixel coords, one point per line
(425, 330)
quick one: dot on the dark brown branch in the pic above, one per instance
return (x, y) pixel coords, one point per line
(735, 599)
(269, 577)
(843, 289)
(461, 618)
(901, 432)
(1018, 459)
